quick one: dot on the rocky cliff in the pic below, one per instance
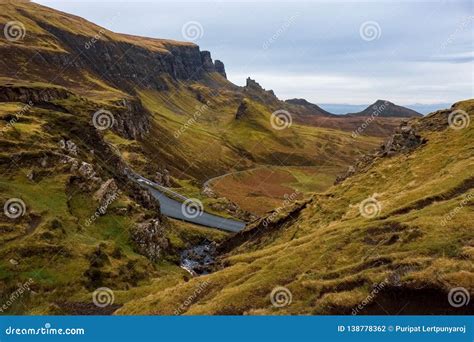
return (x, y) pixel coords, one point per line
(69, 57)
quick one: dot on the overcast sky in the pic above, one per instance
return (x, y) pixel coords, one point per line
(326, 52)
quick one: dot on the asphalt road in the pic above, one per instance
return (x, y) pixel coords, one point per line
(175, 209)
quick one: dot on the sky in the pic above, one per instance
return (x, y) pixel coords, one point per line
(332, 52)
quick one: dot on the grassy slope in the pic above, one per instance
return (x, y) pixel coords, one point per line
(200, 141)
(56, 250)
(330, 257)
(211, 144)
(51, 243)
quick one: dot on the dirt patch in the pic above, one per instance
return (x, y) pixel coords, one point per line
(257, 191)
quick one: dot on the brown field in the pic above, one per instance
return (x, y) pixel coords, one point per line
(265, 188)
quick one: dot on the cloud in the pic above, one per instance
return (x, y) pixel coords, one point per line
(315, 49)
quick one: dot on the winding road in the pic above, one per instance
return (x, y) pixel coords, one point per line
(173, 208)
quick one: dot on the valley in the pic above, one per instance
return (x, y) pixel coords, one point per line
(133, 164)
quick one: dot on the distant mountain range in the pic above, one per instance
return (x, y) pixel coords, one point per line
(343, 108)
(380, 108)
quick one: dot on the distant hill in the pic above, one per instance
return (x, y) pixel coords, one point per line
(383, 108)
(343, 108)
(308, 107)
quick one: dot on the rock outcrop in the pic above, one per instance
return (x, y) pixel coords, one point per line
(132, 120)
(163, 177)
(11, 93)
(107, 192)
(405, 139)
(254, 90)
(242, 110)
(220, 68)
(149, 239)
(210, 66)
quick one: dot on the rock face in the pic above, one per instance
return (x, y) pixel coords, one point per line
(31, 95)
(242, 110)
(163, 177)
(131, 119)
(107, 192)
(139, 65)
(200, 259)
(210, 66)
(251, 84)
(220, 68)
(149, 239)
(405, 139)
(182, 62)
(254, 90)
(206, 61)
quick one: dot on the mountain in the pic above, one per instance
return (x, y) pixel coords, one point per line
(83, 108)
(348, 108)
(309, 108)
(383, 108)
(394, 237)
(70, 51)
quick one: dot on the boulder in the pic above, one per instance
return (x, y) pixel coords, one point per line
(242, 110)
(149, 239)
(107, 192)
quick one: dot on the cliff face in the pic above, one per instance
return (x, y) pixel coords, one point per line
(210, 66)
(123, 61)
